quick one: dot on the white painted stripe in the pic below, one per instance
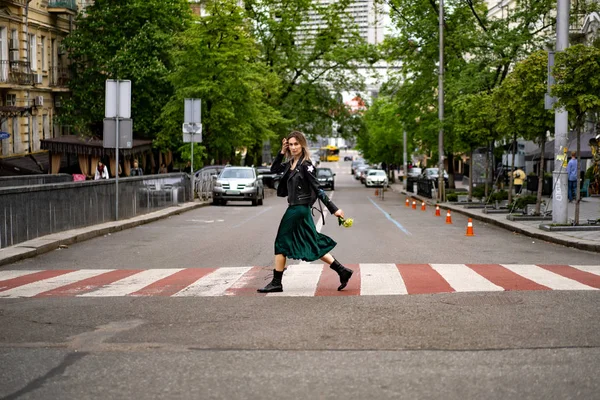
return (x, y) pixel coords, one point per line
(592, 269)
(215, 283)
(132, 283)
(44, 285)
(464, 279)
(300, 280)
(6, 275)
(381, 279)
(546, 278)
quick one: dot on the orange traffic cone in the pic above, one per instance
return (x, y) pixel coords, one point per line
(414, 205)
(448, 217)
(470, 228)
(423, 206)
(376, 192)
(407, 202)
(437, 210)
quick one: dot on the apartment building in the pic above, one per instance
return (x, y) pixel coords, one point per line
(33, 71)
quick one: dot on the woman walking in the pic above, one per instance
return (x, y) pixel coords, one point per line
(297, 236)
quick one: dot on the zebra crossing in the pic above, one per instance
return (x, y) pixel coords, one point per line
(305, 280)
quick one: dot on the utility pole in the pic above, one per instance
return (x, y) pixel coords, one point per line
(561, 126)
(441, 185)
(405, 163)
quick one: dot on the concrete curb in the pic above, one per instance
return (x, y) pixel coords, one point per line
(551, 237)
(44, 244)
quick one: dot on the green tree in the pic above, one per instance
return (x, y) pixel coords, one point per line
(122, 39)
(217, 60)
(525, 88)
(577, 73)
(314, 70)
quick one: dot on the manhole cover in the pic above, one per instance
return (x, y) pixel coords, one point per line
(484, 301)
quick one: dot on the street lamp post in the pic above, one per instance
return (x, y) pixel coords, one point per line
(441, 185)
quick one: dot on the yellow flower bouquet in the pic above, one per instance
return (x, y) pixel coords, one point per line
(347, 223)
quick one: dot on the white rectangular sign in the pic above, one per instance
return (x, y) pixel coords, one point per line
(192, 111)
(117, 92)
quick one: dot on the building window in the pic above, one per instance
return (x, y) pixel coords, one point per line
(16, 136)
(44, 55)
(11, 99)
(32, 52)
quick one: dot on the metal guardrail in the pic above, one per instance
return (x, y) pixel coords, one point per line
(203, 185)
(15, 72)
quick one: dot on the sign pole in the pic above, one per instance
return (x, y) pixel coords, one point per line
(117, 159)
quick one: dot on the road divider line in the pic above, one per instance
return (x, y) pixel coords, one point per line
(387, 215)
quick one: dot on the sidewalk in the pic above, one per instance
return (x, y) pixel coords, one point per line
(584, 240)
(44, 244)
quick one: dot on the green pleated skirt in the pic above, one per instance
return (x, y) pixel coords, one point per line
(298, 238)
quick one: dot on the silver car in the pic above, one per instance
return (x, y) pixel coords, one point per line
(238, 183)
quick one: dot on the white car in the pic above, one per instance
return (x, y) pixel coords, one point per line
(376, 177)
(238, 183)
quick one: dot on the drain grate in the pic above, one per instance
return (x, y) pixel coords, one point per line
(484, 301)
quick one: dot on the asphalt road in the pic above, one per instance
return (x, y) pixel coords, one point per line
(493, 345)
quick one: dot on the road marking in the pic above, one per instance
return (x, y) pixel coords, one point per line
(547, 278)
(592, 269)
(215, 283)
(381, 279)
(464, 279)
(387, 215)
(369, 279)
(301, 280)
(34, 288)
(132, 284)
(252, 217)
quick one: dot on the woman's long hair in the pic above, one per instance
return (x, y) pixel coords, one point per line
(299, 136)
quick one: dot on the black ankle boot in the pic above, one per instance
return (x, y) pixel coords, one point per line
(275, 285)
(344, 273)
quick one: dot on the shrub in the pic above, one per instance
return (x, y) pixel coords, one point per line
(452, 197)
(521, 202)
(479, 192)
(499, 195)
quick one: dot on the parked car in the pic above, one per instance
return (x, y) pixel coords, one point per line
(376, 177)
(209, 170)
(433, 174)
(360, 170)
(238, 183)
(268, 177)
(415, 172)
(326, 178)
(355, 164)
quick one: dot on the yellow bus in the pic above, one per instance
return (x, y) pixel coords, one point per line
(329, 153)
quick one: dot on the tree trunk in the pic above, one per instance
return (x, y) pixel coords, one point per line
(512, 169)
(541, 172)
(451, 183)
(578, 189)
(471, 176)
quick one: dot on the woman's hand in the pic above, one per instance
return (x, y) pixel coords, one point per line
(339, 213)
(284, 146)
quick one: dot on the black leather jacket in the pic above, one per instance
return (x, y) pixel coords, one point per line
(300, 185)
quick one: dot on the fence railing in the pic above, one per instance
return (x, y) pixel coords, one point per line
(59, 76)
(203, 185)
(15, 72)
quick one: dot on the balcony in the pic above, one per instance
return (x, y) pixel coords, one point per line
(62, 6)
(59, 76)
(15, 73)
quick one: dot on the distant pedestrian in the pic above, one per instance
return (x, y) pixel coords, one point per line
(297, 236)
(101, 171)
(163, 169)
(572, 176)
(136, 170)
(518, 178)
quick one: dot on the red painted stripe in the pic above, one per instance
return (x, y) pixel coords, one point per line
(255, 278)
(422, 279)
(173, 283)
(587, 278)
(35, 277)
(329, 282)
(506, 278)
(90, 284)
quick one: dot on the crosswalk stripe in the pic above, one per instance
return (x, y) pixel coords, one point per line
(592, 269)
(546, 278)
(464, 279)
(300, 280)
(304, 279)
(34, 288)
(132, 283)
(381, 279)
(215, 283)
(6, 275)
